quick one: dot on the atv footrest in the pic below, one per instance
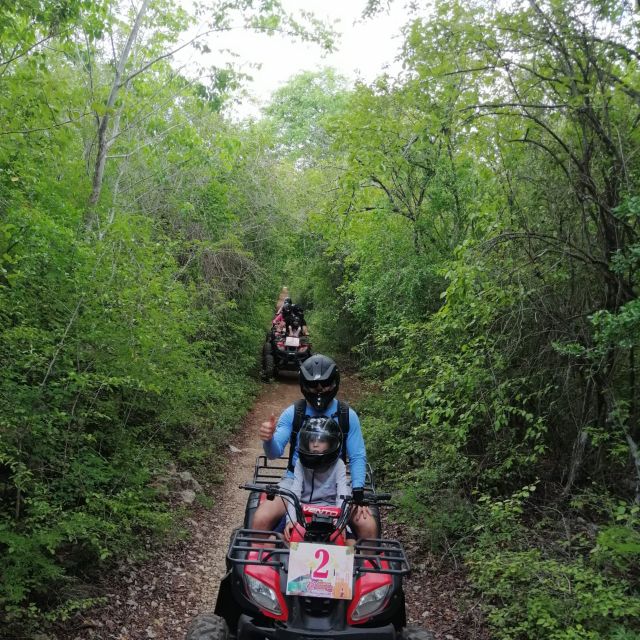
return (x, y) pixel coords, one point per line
(377, 555)
(253, 546)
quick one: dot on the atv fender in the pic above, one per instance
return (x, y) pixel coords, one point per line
(226, 606)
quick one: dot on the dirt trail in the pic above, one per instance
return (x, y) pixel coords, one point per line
(273, 399)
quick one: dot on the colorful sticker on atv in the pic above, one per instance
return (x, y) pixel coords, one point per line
(320, 571)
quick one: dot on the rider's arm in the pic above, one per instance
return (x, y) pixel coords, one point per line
(356, 451)
(275, 447)
(341, 482)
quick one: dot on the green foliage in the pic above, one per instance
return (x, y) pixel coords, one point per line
(131, 343)
(584, 592)
(299, 112)
(535, 597)
(531, 590)
(105, 383)
(478, 253)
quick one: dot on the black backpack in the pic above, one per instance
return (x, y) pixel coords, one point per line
(298, 418)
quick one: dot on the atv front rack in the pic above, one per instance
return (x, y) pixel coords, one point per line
(372, 555)
(269, 550)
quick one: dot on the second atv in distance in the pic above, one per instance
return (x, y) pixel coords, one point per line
(283, 353)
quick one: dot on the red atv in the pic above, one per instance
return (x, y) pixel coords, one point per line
(283, 353)
(253, 603)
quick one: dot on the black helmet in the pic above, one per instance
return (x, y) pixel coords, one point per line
(286, 301)
(319, 381)
(319, 442)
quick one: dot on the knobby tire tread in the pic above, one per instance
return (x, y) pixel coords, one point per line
(208, 626)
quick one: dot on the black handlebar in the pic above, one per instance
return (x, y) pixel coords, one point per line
(273, 490)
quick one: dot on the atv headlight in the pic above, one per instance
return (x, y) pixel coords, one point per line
(371, 603)
(263, 595)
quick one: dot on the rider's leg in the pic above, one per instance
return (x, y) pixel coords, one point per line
(268, 514)
(364, 525)
(266, 517)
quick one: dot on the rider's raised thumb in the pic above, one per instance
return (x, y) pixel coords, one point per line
(272, 420)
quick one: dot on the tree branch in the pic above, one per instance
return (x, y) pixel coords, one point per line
(54, 126)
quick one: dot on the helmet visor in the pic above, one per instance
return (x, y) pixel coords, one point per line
(319, 442)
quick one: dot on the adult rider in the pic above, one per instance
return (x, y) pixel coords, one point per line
(319, 383)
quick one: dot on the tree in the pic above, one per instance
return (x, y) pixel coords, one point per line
(120, 342)
(300, 111)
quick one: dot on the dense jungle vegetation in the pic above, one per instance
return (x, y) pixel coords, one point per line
(469, 231)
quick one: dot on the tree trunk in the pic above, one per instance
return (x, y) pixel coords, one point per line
(105, 138)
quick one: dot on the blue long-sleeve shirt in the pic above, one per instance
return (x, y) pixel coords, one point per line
(356, 451)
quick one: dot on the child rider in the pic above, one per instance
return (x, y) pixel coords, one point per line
(320, 476)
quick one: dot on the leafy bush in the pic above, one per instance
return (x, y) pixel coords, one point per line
(534, 587)
(123, 349)
(530, 596)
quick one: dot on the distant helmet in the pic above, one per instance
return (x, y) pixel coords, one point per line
(286, 301)
(319, 381)
(319, 442)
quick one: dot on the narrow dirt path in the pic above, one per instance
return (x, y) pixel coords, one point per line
(274, 399)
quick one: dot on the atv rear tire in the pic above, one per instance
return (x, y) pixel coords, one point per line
(208, 626)
(269, 367)
(414, 633)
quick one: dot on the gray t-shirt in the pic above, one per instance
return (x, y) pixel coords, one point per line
(320, 487)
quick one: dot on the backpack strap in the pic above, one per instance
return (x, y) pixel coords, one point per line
(298, 417)
(343, 423)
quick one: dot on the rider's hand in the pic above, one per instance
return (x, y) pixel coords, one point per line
(361, 513)
(288, 528)
(267, 428)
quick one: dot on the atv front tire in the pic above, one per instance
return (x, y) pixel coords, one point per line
(414, 633)
(208, 626)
